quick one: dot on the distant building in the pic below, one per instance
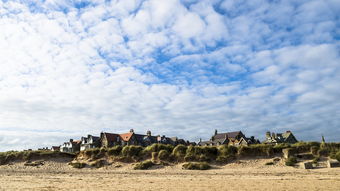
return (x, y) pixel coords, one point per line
(235, 138)
(71, 146)
(170, 140)
(276, 138)
(109, 139)
(132, 138)
(89, 142)
(55, 148)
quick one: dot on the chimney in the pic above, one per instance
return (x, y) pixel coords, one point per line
(71, 140)
(215, 131)
(268, 134)
(273, 136)
(131, 131)
(148, 133)
(200, 140)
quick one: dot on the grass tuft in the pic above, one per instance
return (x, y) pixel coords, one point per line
(196, 166)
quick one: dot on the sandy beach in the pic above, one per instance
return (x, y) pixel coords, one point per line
(243, 175)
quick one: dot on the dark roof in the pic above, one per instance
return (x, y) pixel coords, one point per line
(110, 136)
(229, 135)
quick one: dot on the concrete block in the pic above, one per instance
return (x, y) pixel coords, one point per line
(289, 152)
(307, 165)
(332, 164)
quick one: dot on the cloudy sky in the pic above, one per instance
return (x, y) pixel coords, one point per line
(179, 68)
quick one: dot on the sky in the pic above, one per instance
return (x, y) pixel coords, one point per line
(176, 67)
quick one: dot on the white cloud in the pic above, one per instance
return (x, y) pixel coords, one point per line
(172, 68)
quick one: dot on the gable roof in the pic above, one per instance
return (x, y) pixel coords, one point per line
(76, 142)
(126, 136)
(110, 136)
(228, 135)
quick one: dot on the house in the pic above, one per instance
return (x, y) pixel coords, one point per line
(70, 146)
(132, 138)
(170, 140)
(89, 142)
(109, 139)
(55, 148)
(236, 138)
(276, 138)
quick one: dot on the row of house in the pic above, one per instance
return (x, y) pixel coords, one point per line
(237, 138)
(106, 140)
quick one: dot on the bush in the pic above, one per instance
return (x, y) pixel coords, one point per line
(226, 150)
(196, 166)
(179, 152)
(98, 163)
(132, 151)
(323, 152)
(291, 161)
(332, 147)
(77, 164)
(115, 151)
(163, 155)
(256, 150)
(158, 147)
(197, 153)
(88, 153)
(154, 156)
(314, 150)
(337, 156)
(143, 165)
(6, 157)
(303, 147)
(316, 160)
(226, 153)
(279, 147)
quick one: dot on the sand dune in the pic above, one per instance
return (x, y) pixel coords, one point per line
(242, 175)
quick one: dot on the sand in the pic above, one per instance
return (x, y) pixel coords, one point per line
(243, 175)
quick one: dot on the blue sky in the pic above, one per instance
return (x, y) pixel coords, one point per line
(179, 68)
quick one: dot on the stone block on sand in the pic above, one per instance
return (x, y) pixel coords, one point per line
(332, 164)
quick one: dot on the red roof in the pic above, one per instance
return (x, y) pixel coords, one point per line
(126, 136)
(77, 141)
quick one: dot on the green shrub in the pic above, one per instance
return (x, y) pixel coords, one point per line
(88, 153)
(225, 150)
(115, 151)
(225, 159)
(132, 151)
(196, 166)
(143, 165)
(303, 147)
(323, 152)
(197, 153)
(154, 156)
(337, 156)
(314, 150)
(291, 161)
(77, 164)
(179, 152)
(158, 147)
(332, 147)
(279, 147)
(316, 159)
(256, 150)
(163, 155)
(98, 163)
